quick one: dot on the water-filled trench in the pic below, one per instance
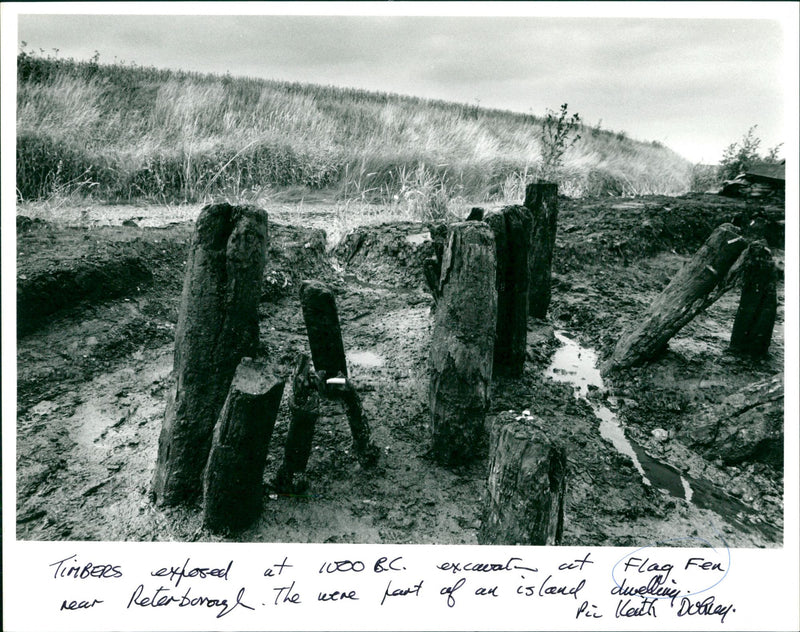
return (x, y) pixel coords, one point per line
(577, 366)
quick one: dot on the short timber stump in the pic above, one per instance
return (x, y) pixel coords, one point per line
(233, 487)
(527, 484)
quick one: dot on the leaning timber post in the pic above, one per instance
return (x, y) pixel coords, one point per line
(322, 326)
(217, 327)
(541, 199)
(233, 486)
(526, 486)
(755, 318)
(511, 227)
(304, 407)
(689, 293)
(366, 451)
(462, 345)
(308, 388)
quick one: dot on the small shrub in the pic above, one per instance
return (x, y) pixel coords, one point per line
(557, 128)
(737, 157)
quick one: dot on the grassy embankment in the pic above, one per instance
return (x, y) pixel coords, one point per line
(130, 134)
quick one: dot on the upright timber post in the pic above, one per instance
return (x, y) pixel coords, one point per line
(686, 296)
(526, 487)
(541, 199)
(755, 318)
(233, 481)
(511, 227)
(322, 326)
(217, 327)
(462, 345)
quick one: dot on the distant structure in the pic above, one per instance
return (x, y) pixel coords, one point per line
(761, 180)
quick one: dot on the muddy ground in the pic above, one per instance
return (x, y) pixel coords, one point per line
(97, 307)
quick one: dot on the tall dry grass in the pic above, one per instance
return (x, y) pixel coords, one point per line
(124, 133)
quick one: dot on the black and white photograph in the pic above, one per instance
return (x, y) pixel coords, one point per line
(355, 276)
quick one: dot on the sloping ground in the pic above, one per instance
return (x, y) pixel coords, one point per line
(121, 133)
(93, 381)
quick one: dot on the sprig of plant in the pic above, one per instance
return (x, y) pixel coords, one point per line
(558, 135)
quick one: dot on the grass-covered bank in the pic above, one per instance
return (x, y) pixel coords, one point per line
(123, 133)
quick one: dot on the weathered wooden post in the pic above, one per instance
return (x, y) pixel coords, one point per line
(526, 487)
(366, 452)
(322, 326)
(308, 389)
(462, 345)
(327, 352)
(755, 318)
(304, 409)
(511, 227)
(541, 199)
(217, 327)
(233, 481)
(689, 293)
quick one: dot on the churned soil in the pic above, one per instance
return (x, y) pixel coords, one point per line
(96, 313)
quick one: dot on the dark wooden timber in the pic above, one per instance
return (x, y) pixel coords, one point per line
(217, 327)
(366, 452)
(462, 345)
(476, 214)
(322, 325)
(541, 198)
(233, 486)
(690, 292)
(526, 486)
(432, 266)
(755, 318)
(308, 390)
(511, 227)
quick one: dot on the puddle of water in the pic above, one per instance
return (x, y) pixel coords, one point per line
(90, 420)
(366, 359)
(577, 366)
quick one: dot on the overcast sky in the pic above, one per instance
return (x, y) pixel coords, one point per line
(694, 84)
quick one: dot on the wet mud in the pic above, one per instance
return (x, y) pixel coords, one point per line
(93, 378)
